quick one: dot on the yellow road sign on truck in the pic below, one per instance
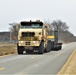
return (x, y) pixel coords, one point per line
(50, 37)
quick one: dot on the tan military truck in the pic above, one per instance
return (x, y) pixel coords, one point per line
(32, 36)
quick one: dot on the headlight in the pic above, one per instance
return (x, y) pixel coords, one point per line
(34, 42)
(20, 41)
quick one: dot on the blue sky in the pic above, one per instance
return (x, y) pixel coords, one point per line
(17, 10)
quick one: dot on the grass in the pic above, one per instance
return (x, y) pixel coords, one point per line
(6, 49)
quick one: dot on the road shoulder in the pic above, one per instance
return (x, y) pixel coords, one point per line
(70, 66)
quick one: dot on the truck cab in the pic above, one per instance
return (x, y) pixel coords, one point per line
(32, 36)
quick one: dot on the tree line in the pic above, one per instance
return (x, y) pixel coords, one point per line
(64, 34)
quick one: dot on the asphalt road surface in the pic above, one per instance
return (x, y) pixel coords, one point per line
(34, 64)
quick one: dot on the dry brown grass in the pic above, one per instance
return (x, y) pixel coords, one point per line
(70, 67)
(6, 49)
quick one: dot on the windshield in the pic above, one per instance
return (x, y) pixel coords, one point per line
(34, 26)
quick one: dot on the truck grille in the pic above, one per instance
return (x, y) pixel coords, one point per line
(27, 43)
(28, 34)
(30, 38)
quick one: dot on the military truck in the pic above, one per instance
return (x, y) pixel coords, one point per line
(32, 36)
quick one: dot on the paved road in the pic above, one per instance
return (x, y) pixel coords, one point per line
(34, 64)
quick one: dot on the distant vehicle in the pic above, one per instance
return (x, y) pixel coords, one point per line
(33, 35)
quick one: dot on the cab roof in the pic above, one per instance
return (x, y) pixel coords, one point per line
(31, 22)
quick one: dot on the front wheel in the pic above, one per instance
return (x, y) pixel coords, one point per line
(41, 48)
(20, 49)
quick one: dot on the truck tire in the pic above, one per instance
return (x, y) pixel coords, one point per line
(52, 46)
(41, 48)
(20, 49)
(48, 47)
(60, 47)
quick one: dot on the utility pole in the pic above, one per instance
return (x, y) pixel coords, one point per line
(10, 33)
(11, 24)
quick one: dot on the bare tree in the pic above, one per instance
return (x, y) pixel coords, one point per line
(14, 30)
(63, 30)
(59, 25)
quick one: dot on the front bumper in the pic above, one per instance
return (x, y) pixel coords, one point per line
(29, 43)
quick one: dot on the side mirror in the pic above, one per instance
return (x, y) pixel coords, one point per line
(45, 26)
